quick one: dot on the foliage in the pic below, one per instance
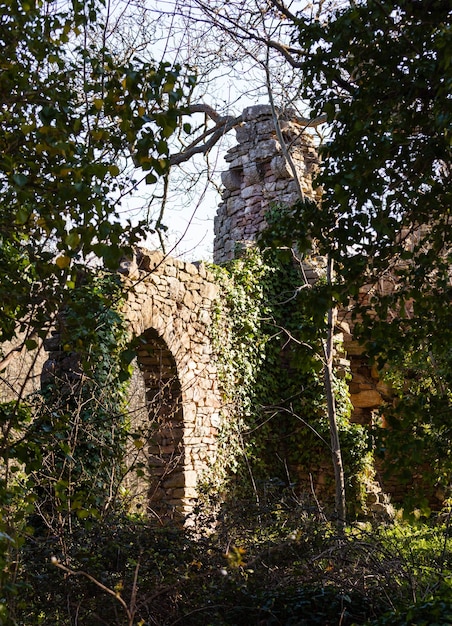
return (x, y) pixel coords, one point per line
(435, 611)
(62, 461)
(293, 569)
(381, 72)
(70, 117)
(383, 77)
(111, 550)
(79, 423)
(415, 437)
(271, 368)
(425, 551)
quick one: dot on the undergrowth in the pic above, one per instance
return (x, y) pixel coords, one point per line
(256, 566)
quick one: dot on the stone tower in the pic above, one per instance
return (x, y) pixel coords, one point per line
(259, 176)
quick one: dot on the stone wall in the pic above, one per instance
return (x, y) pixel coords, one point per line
(22, 374)
(259, 176)
(176, 400)
(169, 306)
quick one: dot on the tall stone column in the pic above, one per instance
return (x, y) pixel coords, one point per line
(260, 177)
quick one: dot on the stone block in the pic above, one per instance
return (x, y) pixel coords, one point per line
(385, 389)
(369, 398)
(170, 270)
(266, 127)
(177, 494)
(174, 288)
(188, 299)
(252, 175)
(204, 316)
(232, 179)
(256, 111)
(238, 162)
(265, 150)
(174, 480)
(251, 191)
(148, 260)
(209, 290)
(244, 133)
(191, 478)
(280, 167)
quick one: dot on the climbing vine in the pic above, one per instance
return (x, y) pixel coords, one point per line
(267, 336)
(61, 449)
(80, 414)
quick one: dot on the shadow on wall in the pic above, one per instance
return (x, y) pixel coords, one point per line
(155, 455)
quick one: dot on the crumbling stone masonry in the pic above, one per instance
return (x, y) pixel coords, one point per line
(177, 402)
(169, 306)
(260, 177)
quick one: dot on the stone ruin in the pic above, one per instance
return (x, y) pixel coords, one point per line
(170, 305)
(260, 177)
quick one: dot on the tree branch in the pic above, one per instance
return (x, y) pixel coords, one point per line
(223, 126)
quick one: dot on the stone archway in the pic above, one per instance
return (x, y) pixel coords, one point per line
(163, 397)
(170, 307)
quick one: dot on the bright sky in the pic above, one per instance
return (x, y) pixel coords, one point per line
(229, 81)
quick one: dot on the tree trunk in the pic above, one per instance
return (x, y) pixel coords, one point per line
(328, 347)
(331, 406)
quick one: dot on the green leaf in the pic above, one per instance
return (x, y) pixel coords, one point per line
(151, 179)
(20, 179)
(22, 215)
(73, 239)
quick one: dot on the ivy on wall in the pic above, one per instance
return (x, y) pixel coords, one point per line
(81, 414)
(67, 451)
(62, 449)
(268, 336)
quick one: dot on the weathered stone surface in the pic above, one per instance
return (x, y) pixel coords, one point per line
(174, 480)
(259, 177)
(280, 167)
(231, 179)
(170, 306)
(256, 111)
(368, 398)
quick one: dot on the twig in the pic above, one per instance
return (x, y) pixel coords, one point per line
(110, 592)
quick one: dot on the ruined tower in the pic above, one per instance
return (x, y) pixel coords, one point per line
(260, 176)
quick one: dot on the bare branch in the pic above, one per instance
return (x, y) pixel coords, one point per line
(284, 10)
(224, 125)
(15, 352)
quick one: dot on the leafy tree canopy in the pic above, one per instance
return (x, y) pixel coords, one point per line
(76, 122)
(382, 73)
(71, 116)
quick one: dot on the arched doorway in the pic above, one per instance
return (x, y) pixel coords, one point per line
(165, 417)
